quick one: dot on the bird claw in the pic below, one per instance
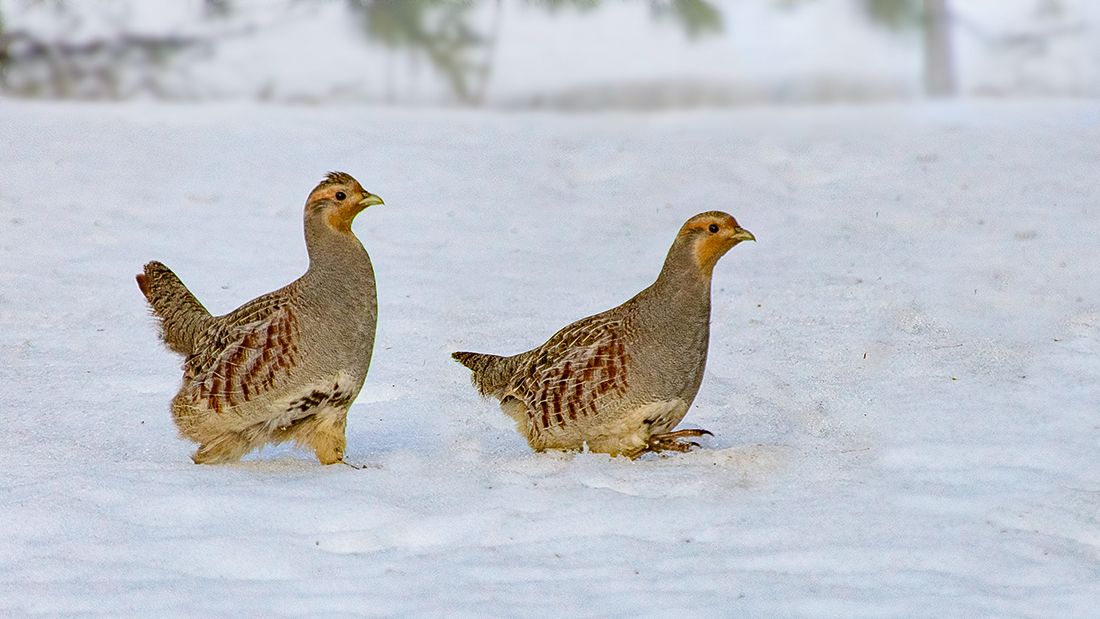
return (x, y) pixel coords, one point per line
(358, 467)
(669, 441)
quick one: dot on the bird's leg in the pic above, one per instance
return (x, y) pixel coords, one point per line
(327, 439)
(321, 431)
(669, 441)
(228, 447)
(329, 446)
(681, 434)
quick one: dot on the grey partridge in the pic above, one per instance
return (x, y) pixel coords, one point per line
(287, 365)
(618, 382)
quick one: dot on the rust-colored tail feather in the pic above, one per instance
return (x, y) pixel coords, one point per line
(180, 315)
(491, 373)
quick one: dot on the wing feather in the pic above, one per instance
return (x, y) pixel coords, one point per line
(247, 360)
(568, 377)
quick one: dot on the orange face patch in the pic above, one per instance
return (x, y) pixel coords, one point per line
(340, 218)
(709, 249)
(713, 233)
(341, 212)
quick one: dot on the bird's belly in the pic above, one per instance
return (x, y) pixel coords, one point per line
(675, 370)
(347, 348)
(625, 432)
(357, 344)
(335, 391)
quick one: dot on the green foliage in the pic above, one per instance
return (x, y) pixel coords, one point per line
(436, 28)
(217, 9)
(3, 43)
(445, 33)
(895, 14)
(697, 17)
(440, 31)
(555, 6)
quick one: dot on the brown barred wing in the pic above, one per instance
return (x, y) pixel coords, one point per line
(570, 376)
(245, 360)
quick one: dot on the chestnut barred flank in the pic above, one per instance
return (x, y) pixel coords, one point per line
(560, 381)
(254, 358)
(577, 367)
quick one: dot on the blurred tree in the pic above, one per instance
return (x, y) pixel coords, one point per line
(440, 30)
(557, 5)
(111, 65)
(895, 14)
(934, 19)
(32, 66)
(697, 17)
(217, 8)
(437, 28)
(939, 56)
(3, 42)
(120, 63)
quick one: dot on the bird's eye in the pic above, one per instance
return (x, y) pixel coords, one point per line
(713, 228)
(341, 195)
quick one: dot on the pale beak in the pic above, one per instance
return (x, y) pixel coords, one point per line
(741, 234)
(370, 200)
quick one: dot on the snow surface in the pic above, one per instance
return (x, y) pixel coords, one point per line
(903, 382)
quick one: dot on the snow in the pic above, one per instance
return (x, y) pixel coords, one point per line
(903, 380)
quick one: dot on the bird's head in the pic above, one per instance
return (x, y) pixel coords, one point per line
(338, 199)
(710, 235)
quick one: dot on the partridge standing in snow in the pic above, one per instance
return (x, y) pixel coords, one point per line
(621, 380)
(286, 365)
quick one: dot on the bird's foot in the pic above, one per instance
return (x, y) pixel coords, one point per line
(359, 467)
(328, 446)
(222, 450)
(670, 441)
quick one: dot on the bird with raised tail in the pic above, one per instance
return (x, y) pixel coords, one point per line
(287, 365)
(619, 382)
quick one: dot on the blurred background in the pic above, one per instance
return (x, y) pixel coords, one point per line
(561, 54)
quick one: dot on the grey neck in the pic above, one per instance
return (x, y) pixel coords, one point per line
(681, 292)
(329, 248)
